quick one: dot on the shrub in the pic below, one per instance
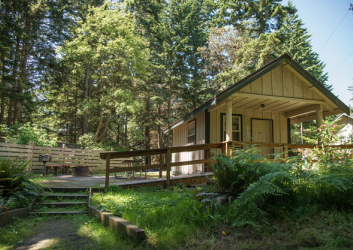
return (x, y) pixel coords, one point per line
(16, 189)
(263, 188)
(23, 134)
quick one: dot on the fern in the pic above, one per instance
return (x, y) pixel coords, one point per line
(248, 207)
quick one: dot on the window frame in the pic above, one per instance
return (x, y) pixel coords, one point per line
(223, 115)
(187, 133)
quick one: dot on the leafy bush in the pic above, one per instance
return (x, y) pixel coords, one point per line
(263, 188)
(23, 134)
(16, 189)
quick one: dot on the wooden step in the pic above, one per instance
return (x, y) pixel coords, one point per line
(58, 212)
(67, 190)
(66, 195)
(61, 204)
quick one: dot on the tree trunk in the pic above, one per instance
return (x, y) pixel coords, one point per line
(23, 68)
(18, 110)
(118, 133)
(2, 112)
(14, 79)
(126, 119)
(9, 113)
(98, 137)
(147, 130)
(85, 99)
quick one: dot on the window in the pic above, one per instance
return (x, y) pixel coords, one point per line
(192, 132)
(236, 127)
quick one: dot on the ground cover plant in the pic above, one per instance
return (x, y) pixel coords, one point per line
(171, 217)
(62, 232)
(16, 188)
(252, 194)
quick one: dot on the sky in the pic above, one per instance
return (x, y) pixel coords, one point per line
(332, 38)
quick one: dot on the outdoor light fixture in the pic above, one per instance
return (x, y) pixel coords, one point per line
(262, 106)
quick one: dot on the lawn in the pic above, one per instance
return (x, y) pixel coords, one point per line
(63, 232)
(174, 219)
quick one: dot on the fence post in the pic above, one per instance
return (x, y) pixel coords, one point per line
(224, 150)
(168, 162)
(30, 155)
(107, 168)
(285, 148)
(89, 156)
(160, 162)
(206, 156)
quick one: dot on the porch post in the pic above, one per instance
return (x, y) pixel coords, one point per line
(319, 118)
(229, 121)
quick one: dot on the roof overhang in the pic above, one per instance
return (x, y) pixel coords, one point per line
(298, 109)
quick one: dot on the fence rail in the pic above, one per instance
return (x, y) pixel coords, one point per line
(61, 156)
(224, 146)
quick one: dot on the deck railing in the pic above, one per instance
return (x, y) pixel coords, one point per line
(225, 148)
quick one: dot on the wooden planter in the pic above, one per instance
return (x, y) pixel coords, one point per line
(7, 217)
(80, 171)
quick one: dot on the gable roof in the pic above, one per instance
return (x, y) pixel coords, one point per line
(284, 59)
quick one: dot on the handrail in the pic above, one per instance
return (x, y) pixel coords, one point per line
(225, 146)
(167, 151)
(160, 150)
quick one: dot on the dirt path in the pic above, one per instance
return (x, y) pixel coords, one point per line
(59, 233)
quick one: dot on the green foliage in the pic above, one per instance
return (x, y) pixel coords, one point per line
(16, 189)
(89, 233)
(23, 134)
(264, 188)
(169, 216)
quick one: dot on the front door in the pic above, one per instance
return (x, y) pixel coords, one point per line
(262, 133)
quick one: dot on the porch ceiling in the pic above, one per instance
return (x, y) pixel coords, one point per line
(279, 105)
(298, 110)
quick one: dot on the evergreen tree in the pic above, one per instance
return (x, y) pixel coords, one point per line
(296, 42)
(117, 56)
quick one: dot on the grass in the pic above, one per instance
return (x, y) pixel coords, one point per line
(89, 234)
(170, 217)
(53, 208)
(173, 219)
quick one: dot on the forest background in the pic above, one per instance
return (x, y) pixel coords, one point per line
(116, 74)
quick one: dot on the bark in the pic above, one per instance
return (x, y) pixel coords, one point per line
(23, 69)
(160, 135)
(126, 120)
(18, 111)
(85, 98)
(13, 89)
(9, 113)
(98, 137)
(147, 130)
(75, 121)
(118, 134)
(2, 112)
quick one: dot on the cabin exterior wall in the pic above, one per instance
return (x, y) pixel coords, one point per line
(180, 139)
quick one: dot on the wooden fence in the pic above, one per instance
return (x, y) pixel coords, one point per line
(224, 146)
(61, 156)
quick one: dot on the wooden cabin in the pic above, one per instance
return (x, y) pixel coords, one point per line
(259, 108)
(345, 133)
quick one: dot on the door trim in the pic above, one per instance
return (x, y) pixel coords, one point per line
(271, 120)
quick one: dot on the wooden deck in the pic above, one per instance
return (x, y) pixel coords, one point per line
(188, 180)
(98, 182)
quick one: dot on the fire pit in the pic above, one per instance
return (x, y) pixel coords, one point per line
(80, 171)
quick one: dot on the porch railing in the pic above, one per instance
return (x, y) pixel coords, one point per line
(224, 146)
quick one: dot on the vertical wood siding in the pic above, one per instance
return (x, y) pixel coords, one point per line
(280, 82)
(180, 139)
